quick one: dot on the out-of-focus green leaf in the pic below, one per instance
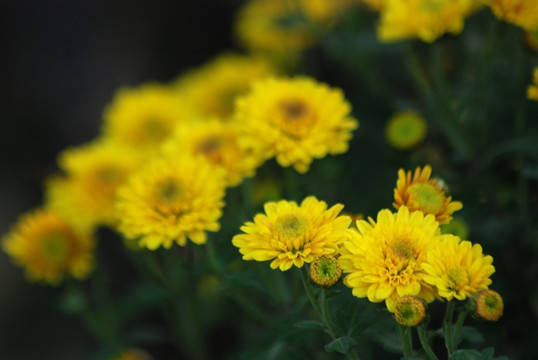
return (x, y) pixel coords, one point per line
(310, 324)
(341, 345)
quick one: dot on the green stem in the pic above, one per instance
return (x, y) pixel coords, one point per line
(447, 325)
(423, 337)
(406, 340)
(322, 309)
(457, 329)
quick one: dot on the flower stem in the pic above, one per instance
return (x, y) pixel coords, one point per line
(405, 336)
(447, 325)
(423, 337)
(457, 329)
(322, 308)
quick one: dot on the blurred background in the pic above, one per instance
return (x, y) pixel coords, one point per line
(61, 63)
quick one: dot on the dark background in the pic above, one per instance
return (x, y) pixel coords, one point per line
(61, 63)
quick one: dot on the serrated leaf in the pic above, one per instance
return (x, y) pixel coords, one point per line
(310, 324)
(340, 345)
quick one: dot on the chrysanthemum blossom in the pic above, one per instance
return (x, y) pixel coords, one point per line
(523, 13)
(296, 120)
(290, 235)
(169, 200)
(49, 248)
(532, 90)
(405, 130)
(383, 258)
(144, 116)
(423, 19)
(219, 144)
(213, 87)
(422, 193)
(457, 269)
(86, 193)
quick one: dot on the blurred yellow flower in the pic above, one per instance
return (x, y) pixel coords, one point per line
(457, 268)
(213, 87)
(424, 194)
(169, 200)
(383, 258)
(85, 196)
(423, 19)
(405, 130)
(532, 90)
(219, 143)
(144, 116)
(49, 248)
(523, 13)
(289, 234)
(296, 120)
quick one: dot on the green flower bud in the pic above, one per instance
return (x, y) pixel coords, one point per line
(487, 304)
(325, 270)
(410, 310)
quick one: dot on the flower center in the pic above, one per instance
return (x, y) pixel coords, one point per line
(55, 247)
(425, 197)
(458, 277)
(210, 148)
(402, 249)
(294, 117)
(168, 190)
(107, 174)
(155, 128)
(291, 225)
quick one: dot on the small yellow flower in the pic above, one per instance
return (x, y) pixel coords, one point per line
(487, 304)
(219, 143)
(523, 13)
(457, 268)
(93, 172)
(325, 270)
(296, 120)
(405, 130)
(532, 90)
(49, 248)
(424, 194)
(423, 19)
(383, 259)
(144, 116)
(213, 87)
(410, 310)
(169, 200)
(290, 235)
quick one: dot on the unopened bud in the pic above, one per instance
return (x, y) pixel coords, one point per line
(487, 304)
(325, 270)
(410, 310)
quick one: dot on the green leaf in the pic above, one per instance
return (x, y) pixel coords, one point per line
(471, 334)
(486, 354)
(310, 324)
(340, 345)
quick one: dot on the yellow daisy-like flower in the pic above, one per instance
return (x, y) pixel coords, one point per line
(296, 120)
(532, 90)
(212, 88)
(49, 248)
(457, 268)
(289, 234)
(523, 13)
(424, 194)
(423, 19)
(405, 130)
(383, 258)
(169, 200)
(87, 193)
(219, 143)
(144, 116)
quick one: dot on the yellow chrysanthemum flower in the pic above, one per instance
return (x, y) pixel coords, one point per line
(457, 268)
(383, 258)
(532, 90)
(212, 88)
(49, 248)
(86, 195)
(296, 120)
(289, 234)
(219, 143)
(144, 116)
(523, 13)
(423, 19)
(405, 130)
(169, 200)
(424, 194)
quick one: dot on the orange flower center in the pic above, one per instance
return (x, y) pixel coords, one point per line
(294, 117)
